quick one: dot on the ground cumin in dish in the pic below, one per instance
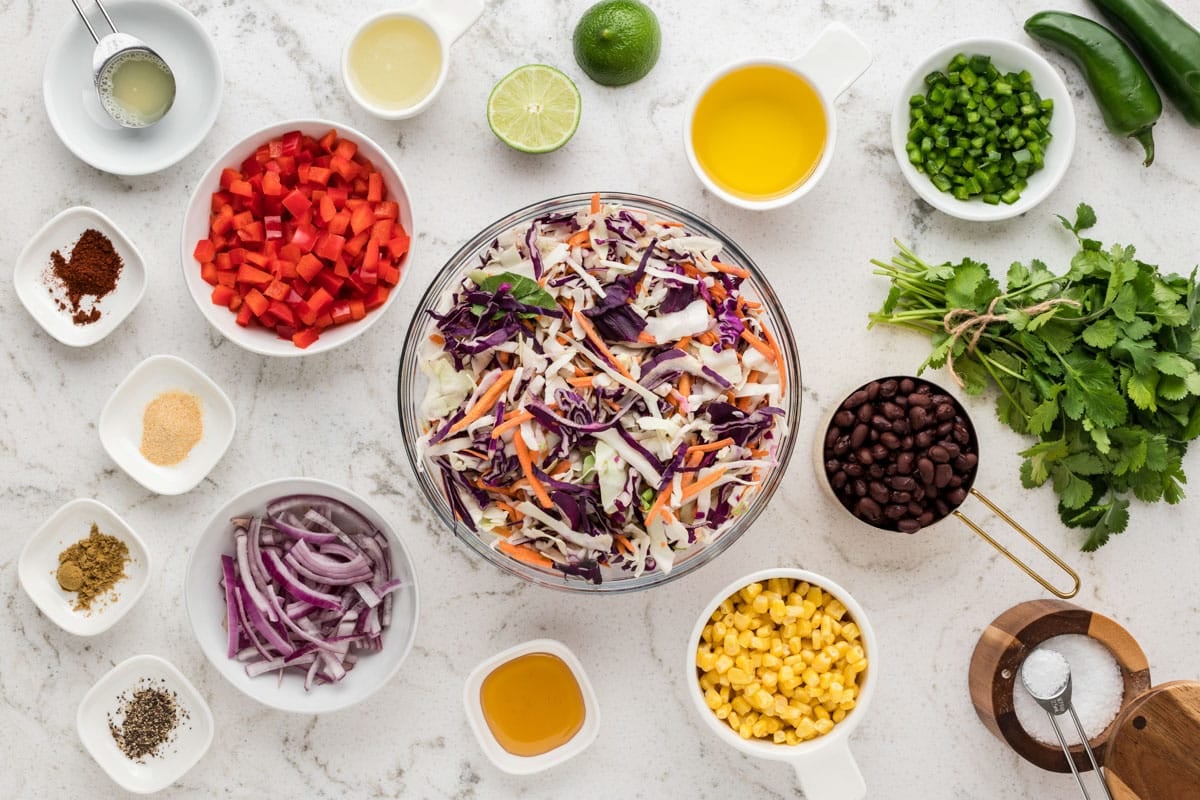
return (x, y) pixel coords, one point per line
(92, 566)
(172, 424)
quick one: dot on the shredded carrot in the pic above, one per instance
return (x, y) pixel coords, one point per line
(646, 338)
(683, 343)
(774, 345)
(707, 338)
(485, 404)
(623, 543)
(582, 381)
(694, 457)
(755, 376)
(560, 467)
(759, 452)
(685, 385)
(613, 404)
(503, 356)
(567, 303)
(758, 344)
(437, 338)
(591, 334)
(701, 484)
(718, 293)
(595, 207)
(731, 269)
(691, 270)
(510, 491)
(526, 553)
(502, 530)
(711, 446)
(579, 238)
(745, 403)
(535, 483)
(476, 453)
(668, 223)
(511, 422)
(511, 510)
(659, 506)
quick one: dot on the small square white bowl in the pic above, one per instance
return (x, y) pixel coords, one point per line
(38, 565)
(193, 734)
(61, 233)
(526, 765)
(121, 423)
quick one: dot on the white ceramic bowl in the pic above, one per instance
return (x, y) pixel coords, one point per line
(38, 564)
(121, 423)
(38, 291)
(525, 765)
(824, 766)
(192, 737)
(86, 129)
(1007, 56)
(205, 600)
(196, 227)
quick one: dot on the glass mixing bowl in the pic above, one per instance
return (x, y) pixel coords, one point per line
(412, 385)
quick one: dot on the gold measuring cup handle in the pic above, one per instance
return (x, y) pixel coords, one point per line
(1030, 538)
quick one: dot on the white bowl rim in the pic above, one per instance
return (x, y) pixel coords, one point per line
(197, 707)
(1049, 83)
(150, 167)
(105, 618)
(311, 486)
(110, 320)
(254, 339)
(770, 750)
(527, 765)
(110, 409)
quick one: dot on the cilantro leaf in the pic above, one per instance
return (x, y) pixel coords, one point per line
(1142, 388)
(1043, 417)
(1085, 218)
(1101, 334)
(1113, 518)
(1074, 492)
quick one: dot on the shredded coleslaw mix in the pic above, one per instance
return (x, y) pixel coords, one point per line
(602, 394)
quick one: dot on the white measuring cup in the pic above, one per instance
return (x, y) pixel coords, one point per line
(446, 19)
(830, 65)
(824, 766)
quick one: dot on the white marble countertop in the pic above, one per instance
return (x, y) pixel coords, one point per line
(333, 416)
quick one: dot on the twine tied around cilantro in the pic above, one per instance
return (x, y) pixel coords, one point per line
(973, 324)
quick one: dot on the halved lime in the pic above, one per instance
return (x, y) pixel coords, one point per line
(534, 109)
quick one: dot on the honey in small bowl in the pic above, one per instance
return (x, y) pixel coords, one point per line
(532, 704)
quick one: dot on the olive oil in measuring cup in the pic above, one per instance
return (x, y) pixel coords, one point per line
(136, 88)
(395, 62)
(759, 131)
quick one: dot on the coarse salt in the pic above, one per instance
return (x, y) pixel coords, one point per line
(1045, 672)
(1097, 688)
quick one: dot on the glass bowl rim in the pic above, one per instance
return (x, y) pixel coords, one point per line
(691, 558)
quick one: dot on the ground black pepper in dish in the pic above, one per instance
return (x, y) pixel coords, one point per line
(146, 720)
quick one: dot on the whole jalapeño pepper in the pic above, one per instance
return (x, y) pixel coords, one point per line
(1123, 90)
(1167, 43)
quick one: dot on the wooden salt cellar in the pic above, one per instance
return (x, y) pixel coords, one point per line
(1153, 747)
(996, 666)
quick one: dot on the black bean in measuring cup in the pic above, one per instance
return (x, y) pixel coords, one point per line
(900, 454)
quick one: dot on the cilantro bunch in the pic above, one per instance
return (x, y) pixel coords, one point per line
(1100, 364)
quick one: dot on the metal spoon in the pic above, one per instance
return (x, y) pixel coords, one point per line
(110, 52)
(1056, 702)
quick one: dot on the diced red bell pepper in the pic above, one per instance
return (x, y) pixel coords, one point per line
(374, 187)
(296, 202)
(304, 337)
(271, 185)
(308, 266)
(329, 246)
(205, 251)
(223, 295)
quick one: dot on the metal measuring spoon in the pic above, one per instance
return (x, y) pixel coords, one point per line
(1056, 701)
(112, 52)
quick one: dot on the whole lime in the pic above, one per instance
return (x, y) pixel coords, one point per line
(617, 41)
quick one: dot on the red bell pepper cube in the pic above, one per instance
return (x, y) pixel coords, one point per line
(253, 275)
(319, 175)
(389, 274)
(340, 222)
(340, 312)
(227, 277)
(296, 202)
(271, 185)
(283, 313)
(329, 281)
(241, 189)
(208, 272)
(223, 295)
(329, 246)
(362, 219)
(289, 143)
(205, 251)
(278, 290)
(320, 300)
(254, 232)
(374, 187)
(398, 245)
(308, 267)
(305, 237)
(244, 315)
(355, 246)
(357, 309)
(376, 297)
(387, 209)
(327, 209)
(304, 337)
(257, 302)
